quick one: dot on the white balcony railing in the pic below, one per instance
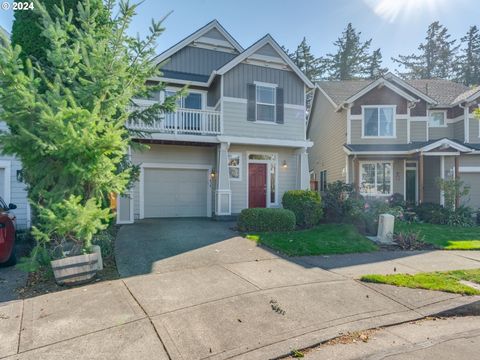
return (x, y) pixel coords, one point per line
(183, 121)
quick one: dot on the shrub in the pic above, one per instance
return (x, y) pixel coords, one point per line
(263, 220)
(409, 240)
(336, 201)
(462, 216)
(431, 213)
(396, 200)
(305, 204)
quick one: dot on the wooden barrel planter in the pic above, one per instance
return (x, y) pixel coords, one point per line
(76, 270)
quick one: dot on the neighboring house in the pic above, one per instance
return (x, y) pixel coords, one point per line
(395, 136)
(11, 187)
(237, 140)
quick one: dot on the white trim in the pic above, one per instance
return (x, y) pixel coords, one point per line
(267, 163)
(471, 98)
(390, 76)
(373, 85)
(405, 168)
(295, 107)
(274, 60)
(376, 162)
(182, 82)
(327, 96)
(144, 166)
(273, 87)
(264, 141)
(267, 39)
(349, 125)
(240, 166)
(469, 169)
(197, 34)
(234, 99)
(418, 118)
(131, 219)
(408, 125)
(209, 43)
(441, 153)
(7, 165)
(442, 176)
(446, 142)
(347, 172)
(265, 84)
(394, 113)
(430, 111)
(218, 197)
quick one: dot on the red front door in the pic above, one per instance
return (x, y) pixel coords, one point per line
(257, 185)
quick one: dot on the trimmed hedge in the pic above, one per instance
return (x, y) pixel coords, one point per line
(265, 220)
(306, 205)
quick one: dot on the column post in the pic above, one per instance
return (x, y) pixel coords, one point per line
(223, 194)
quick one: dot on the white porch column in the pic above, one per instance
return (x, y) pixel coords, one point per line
(442, 176)
(303, 171)
(223, 194)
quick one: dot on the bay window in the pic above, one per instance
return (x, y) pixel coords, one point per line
(376, 178)
(379, 121)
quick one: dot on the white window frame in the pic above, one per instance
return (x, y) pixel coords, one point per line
(7, 166)
(274, 88)
(361, 163)
(444, 118)
(240, 172)
(277, 169)
(394, 111)
(203, 93)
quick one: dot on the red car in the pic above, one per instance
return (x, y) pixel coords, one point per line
(7, 234)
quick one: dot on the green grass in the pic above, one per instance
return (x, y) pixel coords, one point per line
(441, 281)
(324, 239)
(444, 236)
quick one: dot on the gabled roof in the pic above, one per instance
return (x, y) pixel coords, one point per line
(267, 39)
(439, 92)
(214, 24)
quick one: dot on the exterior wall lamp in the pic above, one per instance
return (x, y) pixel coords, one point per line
(284, 164)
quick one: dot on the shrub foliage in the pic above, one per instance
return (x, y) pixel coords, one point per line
(266, 220)
(306, 205)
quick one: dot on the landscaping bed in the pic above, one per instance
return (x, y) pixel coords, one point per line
(324, 239)
(444, 236)
(448, 281)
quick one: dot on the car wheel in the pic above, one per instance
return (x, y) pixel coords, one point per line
(12, 260)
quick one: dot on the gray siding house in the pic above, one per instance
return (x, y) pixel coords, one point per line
(237, 140)
(12, 190)
(395, 136)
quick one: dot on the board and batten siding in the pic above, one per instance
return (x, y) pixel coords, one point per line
(418, 131)
(287, 177)
(235, 123)
(171, 154)
(327, 130)
(459, 130)
(401, 135)
(196, 60)
(236, 80)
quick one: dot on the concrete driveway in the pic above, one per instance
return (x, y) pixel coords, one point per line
(221, 298)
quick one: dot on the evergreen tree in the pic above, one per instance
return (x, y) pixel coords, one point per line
(69, 131)
(306, 61)
(436, 58)
(351, 59)
(469, 60)
(374, 67)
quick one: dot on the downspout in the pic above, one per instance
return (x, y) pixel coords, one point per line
(466, 123)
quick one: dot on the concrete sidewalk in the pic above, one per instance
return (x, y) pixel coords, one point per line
(230, 299)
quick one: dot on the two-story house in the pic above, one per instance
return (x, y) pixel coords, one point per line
(12, 189)
(237, 140)
(396, 136)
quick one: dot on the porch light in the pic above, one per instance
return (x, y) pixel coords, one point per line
(284, 164)
(212, 174)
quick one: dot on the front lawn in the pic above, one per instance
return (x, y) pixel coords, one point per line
(325, 239)
(444, 236)
(448, 281)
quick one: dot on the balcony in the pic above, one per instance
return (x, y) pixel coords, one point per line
(183, 121)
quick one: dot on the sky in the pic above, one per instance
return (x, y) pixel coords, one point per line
(396, 26)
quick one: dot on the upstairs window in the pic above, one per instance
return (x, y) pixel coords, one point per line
(192, 101)
(436, 119)
(379, 121)
(266, 103)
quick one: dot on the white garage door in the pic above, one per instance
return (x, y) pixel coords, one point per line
(175, 192)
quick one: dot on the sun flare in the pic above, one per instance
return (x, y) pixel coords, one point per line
(392, 10)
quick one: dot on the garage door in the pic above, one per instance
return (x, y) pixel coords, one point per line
(175, 192)
(472, 180)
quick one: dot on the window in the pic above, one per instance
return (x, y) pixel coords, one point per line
(436, 119)
(234, 166)
(265, 103)
(376, 178)
(191, 101)
(323, 180)
(379, 121)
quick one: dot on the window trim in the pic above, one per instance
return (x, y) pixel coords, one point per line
(203, 93)
(240, 170)
(444, 118)
(394, 107)
(274, 88)
(361, 163)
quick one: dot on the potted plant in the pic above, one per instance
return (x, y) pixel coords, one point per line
(67, 229)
